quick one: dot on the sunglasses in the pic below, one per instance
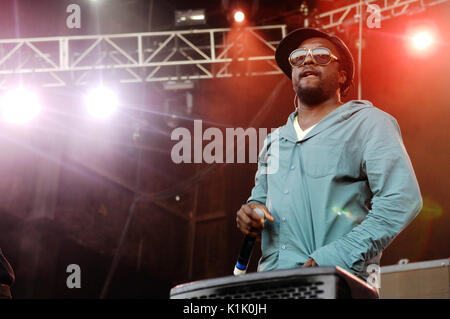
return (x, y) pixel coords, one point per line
(321, 56)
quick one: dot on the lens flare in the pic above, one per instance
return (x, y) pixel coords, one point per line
(101, 102)
(341, 212)
(430, 209)
(19, 106)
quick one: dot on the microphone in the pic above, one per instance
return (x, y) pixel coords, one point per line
(246, 250)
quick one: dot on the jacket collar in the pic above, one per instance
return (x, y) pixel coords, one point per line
(339, 114)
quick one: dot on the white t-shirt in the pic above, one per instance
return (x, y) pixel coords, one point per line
(300, 133)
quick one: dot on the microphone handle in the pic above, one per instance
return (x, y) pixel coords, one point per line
(246, 250)
(244, 255)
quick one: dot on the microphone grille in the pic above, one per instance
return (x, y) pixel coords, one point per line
(259, 211)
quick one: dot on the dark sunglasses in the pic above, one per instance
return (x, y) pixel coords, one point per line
(321, 56)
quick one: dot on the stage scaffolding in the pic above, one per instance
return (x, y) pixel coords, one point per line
(180, 55)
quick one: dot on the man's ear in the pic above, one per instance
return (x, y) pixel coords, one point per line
(342, 77)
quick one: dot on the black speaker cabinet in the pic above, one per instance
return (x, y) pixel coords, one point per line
(298, 283)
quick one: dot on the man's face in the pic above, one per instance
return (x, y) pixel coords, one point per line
(325, 80)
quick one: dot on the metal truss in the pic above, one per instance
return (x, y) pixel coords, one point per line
(141, 57)
(388, 9)
(171, 55)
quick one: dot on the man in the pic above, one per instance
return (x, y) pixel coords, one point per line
(6, 277)
(344, 186)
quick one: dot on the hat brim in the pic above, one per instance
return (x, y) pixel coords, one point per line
(296, 37)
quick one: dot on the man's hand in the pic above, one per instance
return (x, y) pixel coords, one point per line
(249, 222)
(310, 263)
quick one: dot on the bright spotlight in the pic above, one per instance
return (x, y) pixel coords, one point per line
(422, 40)
(19, 106)
(239, 16)
(101, 102)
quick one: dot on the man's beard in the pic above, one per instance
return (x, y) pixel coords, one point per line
(311, 96)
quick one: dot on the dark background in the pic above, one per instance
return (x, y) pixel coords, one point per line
(67, 182)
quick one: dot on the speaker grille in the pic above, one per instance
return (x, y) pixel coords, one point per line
(279, 290)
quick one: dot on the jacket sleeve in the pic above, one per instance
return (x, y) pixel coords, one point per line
(396, 199)
(259, 191)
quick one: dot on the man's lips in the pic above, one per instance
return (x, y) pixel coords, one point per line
(308, 72)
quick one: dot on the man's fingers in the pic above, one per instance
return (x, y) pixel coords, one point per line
(247, 225)
(248, 230)
(253, 216)
(243, 217)
(310, 263)
(250, 219)
(267, 214)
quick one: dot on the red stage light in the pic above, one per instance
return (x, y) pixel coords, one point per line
(239, 16)
(422, 40)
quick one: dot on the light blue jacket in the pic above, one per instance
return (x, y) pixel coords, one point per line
(340, 195)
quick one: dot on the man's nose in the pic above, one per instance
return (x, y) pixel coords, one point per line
(309, 59)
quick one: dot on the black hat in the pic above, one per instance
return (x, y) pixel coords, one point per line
(291, 42)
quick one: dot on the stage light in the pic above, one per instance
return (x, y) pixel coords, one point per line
(190, 17)
(178, 85)
(239, 16)
(19, 106)
(101, 102)
(422, 40)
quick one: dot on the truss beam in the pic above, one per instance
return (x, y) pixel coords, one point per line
(389, 9)
(169, 55)
(140, 57)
